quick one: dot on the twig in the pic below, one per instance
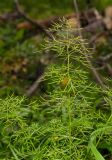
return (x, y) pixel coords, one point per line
(44, 61)
(109, 68)
(37, 82)
(101, 68)
(34, 86)
(33, 22)
(106, 58)
(43, 24)
(98, 24)
(96, 74)
(94, 38)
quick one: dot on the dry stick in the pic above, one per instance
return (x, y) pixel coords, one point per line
(109, 68)
(106, 58)
(43, 63)
(87, 58)
(105, 63)
(49, 22)
(34, 86)
(35, 23)
(95, 37)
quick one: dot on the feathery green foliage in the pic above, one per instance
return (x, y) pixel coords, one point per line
(72, 121)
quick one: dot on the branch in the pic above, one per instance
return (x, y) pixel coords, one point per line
(33, 22)
(44, 61)
(34, 86)
(96, 74)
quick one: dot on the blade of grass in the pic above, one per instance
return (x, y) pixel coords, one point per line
(95, 152)
(14, 154)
